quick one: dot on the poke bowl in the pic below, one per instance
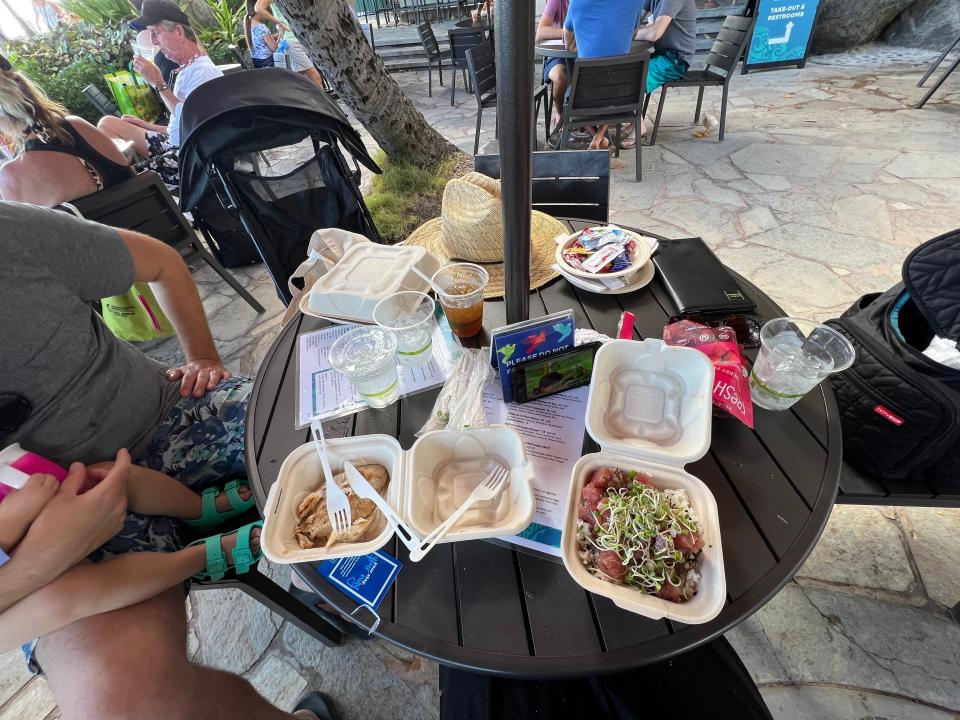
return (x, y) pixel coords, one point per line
(637, 253)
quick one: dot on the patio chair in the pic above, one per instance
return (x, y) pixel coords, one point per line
(482, 68)
(566, 183)
(101, 103)
(723, 58)
(606, 91)
(434, 54)
(932, 69)
(144, 204)
(242, 56)
(461, 40)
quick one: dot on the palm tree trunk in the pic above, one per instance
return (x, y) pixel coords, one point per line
(333, 40)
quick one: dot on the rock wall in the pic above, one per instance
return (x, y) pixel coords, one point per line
(930, 24)
(845, 24)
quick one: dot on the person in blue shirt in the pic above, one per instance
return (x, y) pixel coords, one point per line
(596, 28)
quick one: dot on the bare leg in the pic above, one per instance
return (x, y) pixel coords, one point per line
(600, 141)
(558, 75)
(314, 75)
(132, 663)
(119, 129)
(150, 492)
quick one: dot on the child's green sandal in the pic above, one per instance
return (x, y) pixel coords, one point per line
(243, 556)
(210, 517)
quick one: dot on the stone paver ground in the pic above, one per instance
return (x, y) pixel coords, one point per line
(826, 179)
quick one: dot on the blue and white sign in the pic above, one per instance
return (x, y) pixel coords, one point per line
(781, 35)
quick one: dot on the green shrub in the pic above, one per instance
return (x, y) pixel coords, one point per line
(65, 61)
(97, 12)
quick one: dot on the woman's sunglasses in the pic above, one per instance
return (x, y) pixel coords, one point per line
(746, 328)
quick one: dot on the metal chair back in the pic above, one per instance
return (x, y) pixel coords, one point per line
(730, 43)
(483, 70)
(429, 41)
(242, 56)
(607, 88)
(566, 183)
(461, 40)
(101, 103)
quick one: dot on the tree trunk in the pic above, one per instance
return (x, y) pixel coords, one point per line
(200, 14)
(334, 41)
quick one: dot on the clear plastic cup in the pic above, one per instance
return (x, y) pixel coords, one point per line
(409, 316)
(795, 355)
(368, 357)
(460, 290)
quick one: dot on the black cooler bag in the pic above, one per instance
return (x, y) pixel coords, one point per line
(900, 410)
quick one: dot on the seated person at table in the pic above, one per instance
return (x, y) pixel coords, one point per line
(550, 27)
(89, 589)
(260, 40)
(57, 157)
(597, 28)
(172, 33)
(673, 31)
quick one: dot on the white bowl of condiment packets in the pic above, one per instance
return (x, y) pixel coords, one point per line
(604, 243)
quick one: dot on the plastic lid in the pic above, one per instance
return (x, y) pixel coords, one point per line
(364, 351)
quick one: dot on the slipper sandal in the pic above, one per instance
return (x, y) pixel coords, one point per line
(317, 703)
(210, 517)
(243, 557)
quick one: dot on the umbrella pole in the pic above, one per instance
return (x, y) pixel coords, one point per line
(514, 29)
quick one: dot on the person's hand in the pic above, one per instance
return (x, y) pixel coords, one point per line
(148, 71)
(198, 376)
(74, 523)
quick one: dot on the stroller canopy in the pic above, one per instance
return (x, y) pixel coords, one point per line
(251, 111)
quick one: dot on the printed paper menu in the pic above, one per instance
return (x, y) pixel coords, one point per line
(552, 431)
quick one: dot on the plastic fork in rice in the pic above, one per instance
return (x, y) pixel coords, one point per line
(487, 490)
(338, 505)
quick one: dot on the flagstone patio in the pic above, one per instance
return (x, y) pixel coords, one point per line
(826, 179)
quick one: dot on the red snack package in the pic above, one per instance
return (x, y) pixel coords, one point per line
(731, 386)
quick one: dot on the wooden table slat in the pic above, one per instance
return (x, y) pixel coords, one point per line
(622, 629)
(492, 613)
(560, 618)
(426, 594)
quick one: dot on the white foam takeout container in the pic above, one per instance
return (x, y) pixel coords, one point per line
(367, 273)
(664, 463)
(411, 490)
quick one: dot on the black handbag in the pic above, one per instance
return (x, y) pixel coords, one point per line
(900, 410)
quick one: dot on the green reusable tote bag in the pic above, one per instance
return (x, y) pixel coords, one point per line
(136, 315)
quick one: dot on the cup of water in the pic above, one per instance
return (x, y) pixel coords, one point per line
(368, 357)
(795, 355)
(409, 316)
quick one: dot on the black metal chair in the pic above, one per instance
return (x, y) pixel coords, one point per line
(101, 102)
(461, 40)
(606, 91)
(242, 56)
(566, 183)
(434, 54)
(932, 69)
(481, 63)
(144, 204)
(723, 58)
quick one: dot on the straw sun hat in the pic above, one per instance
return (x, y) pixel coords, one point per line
(470, 229)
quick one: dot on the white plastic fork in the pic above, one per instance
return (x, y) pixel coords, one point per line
(338, 506)
(487, 490)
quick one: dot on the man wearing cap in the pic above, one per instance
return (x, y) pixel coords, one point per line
(171, 32)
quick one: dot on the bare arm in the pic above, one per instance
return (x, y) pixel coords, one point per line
(569, 40)
(87, 589)
(140, 123)
(162, 267)
(69, 528)
(263, 6)
(546, 30)
(654, 31)
(271, 40)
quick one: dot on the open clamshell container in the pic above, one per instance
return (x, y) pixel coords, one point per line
(366, 274)
(427, 483)
(649, 409)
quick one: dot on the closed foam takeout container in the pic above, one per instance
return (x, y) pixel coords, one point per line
(367, 273)
(412, 490)
(664, 462)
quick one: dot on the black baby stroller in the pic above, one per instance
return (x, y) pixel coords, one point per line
(227, 127)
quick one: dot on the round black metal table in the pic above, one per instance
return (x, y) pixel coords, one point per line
(484, 606)
(558, 51)
(483, 23)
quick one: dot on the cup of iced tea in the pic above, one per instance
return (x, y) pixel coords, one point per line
(460, 289)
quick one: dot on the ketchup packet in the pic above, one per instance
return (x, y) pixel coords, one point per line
(731, 386)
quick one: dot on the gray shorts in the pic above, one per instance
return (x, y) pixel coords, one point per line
(298, 56)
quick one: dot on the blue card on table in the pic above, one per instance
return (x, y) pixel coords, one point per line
(366, 579)
(527, 340)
